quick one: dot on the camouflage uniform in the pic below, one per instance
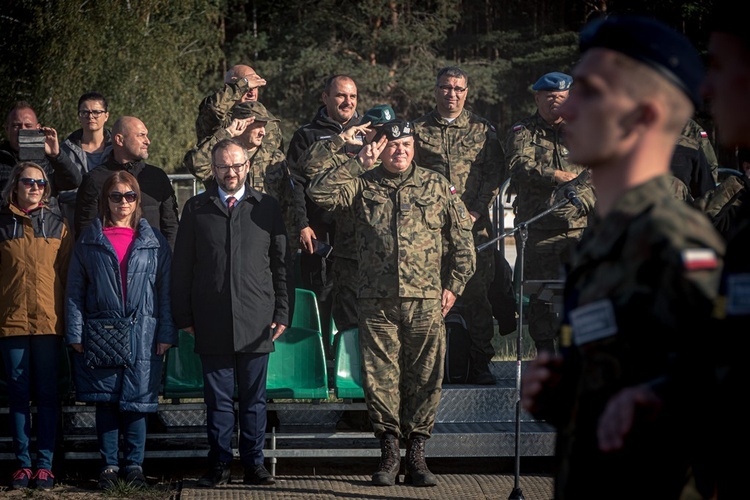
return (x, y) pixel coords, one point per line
(467, 152)
(215, 112)
(533, 152)
(727, 206)
(692, 135)
(639, 295)
(399, 220)
(323, 155)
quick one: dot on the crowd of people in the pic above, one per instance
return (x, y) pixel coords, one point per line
(616, 194)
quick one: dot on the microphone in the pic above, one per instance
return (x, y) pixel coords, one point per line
(572, 196)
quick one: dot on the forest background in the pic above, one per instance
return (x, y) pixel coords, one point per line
(156, 59)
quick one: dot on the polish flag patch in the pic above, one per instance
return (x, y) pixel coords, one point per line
(452, 189)
(704, 134)
(694, 259)
(517, 128)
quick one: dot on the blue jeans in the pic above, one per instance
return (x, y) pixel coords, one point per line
(219, 382)
(110, 423)
(32, 361)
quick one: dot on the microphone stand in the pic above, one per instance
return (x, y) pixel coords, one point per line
(522, 229)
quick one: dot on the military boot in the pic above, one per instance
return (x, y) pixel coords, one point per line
(390, 461)
(417, 472)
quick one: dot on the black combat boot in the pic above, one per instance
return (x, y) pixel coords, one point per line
(390, 461)
(417, 472)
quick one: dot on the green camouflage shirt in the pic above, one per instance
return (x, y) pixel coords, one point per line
(693, 136)
(467, 152)
(399, 221)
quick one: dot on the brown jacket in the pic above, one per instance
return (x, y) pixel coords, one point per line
(34, 253)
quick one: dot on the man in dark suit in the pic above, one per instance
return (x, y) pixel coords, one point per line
(230, 291)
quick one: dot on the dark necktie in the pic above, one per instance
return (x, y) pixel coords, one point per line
(231, 202)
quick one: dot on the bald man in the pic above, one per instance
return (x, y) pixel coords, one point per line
(130, 145)
(241, 84)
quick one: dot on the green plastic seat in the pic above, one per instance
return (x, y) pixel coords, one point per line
(183, 370)
(333, 332)
(348, 364)
(306, 313)
(297, 368)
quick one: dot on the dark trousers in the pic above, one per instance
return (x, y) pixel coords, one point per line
(219, 375)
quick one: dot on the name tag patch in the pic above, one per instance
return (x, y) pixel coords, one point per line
(593, 321)
(738, 294)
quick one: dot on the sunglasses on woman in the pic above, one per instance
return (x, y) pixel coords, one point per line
(29, 182)
(116, 196)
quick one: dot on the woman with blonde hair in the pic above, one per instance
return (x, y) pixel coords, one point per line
(35, 247)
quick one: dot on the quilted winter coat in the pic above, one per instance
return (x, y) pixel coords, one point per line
(94, 289)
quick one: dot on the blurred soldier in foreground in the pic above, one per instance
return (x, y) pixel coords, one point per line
(405, 215)
(463, 147)
(643, 278)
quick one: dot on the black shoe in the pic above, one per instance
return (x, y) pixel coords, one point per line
(481, 375)
(43, 479)
(107, 479)
(216, 475)
(135, 478)
(20, 479)
(258, 475)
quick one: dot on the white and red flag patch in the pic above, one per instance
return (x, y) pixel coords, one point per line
(694, 259)
(452, 189)
(704, 134)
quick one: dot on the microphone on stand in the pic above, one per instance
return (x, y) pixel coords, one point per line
(572, 196)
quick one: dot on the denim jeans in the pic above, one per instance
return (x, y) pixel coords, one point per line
(110, 423)
(31, 361)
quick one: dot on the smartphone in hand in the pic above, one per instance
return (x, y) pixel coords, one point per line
(321, 248)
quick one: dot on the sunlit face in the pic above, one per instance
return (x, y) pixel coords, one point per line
(134, 141)
(727, 88)
(230, 168)
(450, 95)
(23, 118)
(92, 115)
(254, 134)
(341, 102)
(597, 111)
(28, 190)
(398, 154)
(121, 203)
(548, 103)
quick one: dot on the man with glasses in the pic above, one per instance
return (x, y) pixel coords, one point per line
(130, 145)
(538, 166)
(463, 146)
(63, 174)
(229, 289)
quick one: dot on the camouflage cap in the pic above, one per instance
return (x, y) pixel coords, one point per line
(244, 110)
(397, 129)
(652, 43)
(553, 81)
(378, 115)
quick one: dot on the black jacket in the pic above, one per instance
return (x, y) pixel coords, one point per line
(158, 200)
(62, 173)
(229, 272)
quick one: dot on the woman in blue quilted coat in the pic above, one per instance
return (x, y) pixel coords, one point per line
(121, 264)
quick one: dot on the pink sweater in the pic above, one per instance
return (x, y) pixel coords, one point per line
(122, 239)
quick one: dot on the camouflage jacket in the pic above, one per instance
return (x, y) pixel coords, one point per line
(215, 112)
(533, 152)
(398, 221)
(639, 295)
(727, 205)
(693, 136)
(467, 152)
(323, 155)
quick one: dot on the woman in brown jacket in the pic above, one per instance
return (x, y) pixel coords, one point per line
(35, 248)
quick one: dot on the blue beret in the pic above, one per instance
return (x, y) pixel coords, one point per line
(652, 43)
(378, 115)
(553, 81)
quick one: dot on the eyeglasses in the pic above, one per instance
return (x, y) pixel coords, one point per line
(83, 113)
(446, 89)
(29, 182)
(116, 196)
(237, 167)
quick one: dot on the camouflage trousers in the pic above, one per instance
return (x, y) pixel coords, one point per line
(403, 352)
(547, 251)
(345, 285)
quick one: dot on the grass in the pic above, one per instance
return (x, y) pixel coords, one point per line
(505, 346)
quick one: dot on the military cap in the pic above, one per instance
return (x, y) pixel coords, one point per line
(377, 115)
(397, 129)
(252, 108)
(553, 81)
(653, 43)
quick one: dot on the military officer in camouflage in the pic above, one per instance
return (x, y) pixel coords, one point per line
(330, 153)
(462, 146)
(538, 165)
(406, 219)
(695, 136)
(241, 84)
(640, 291)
